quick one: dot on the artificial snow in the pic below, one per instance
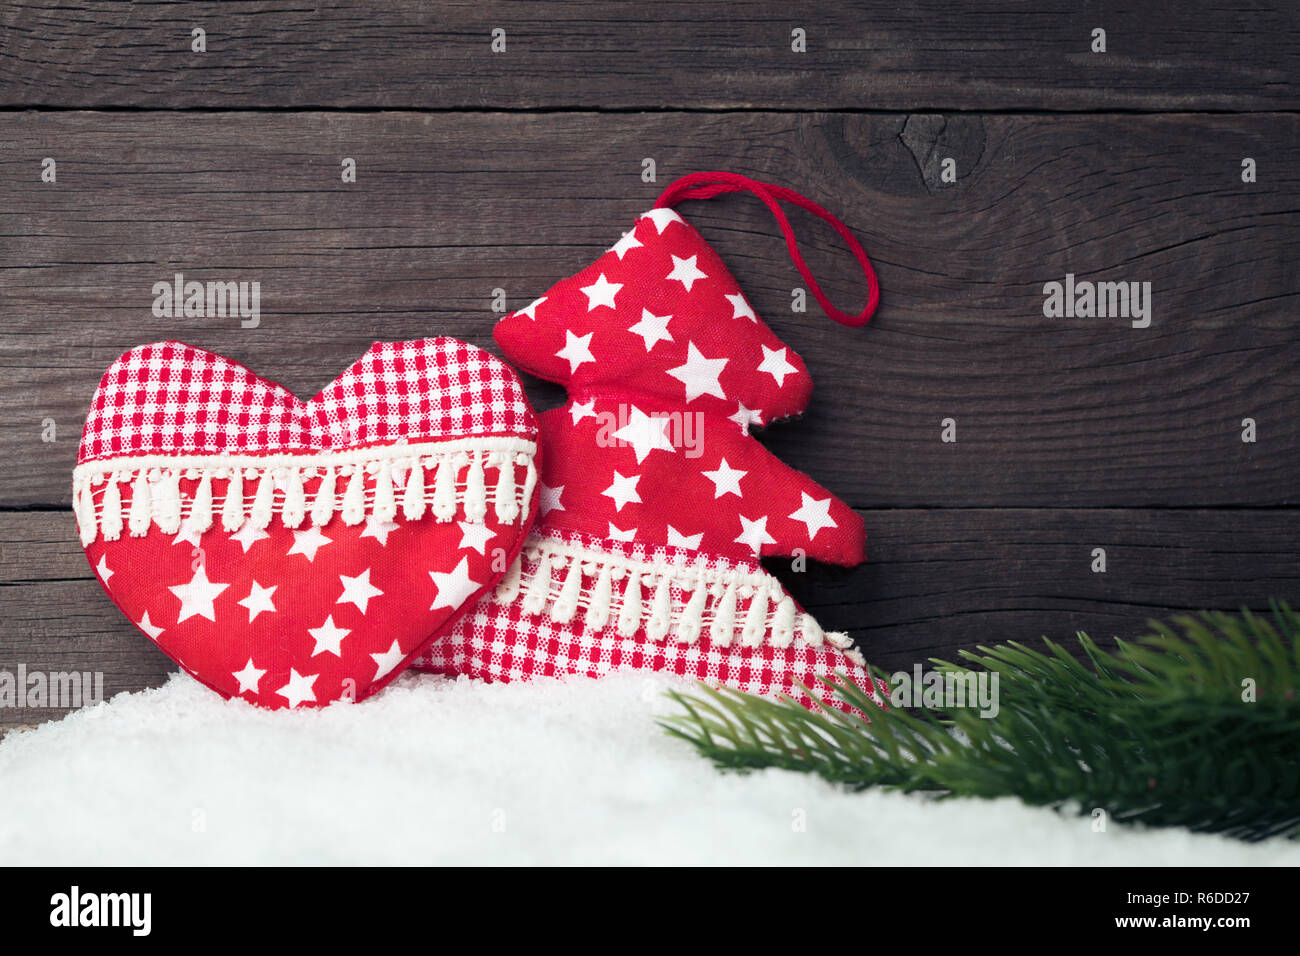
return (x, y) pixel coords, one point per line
(440, 771)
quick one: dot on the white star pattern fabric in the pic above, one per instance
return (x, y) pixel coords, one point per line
(328, 637)
(475, 536)
(652, 328)
(313, 536)
(621, 247)
(688, 542)
(299, 688)
(775, 364)
(378, 528)
(754, 534)
(740, 307)
(386, 662)
(577, 349)
(578, 411)
(745, 417)
(601, 293)
(645, 433)
(358, 590)
(813, 513)
(259, 599)
(190, 534)
(453, 587)
(198, 595)
(667, 366)
(247, 535)
(686, 272)
(726, 480)
(618, 534)
(530, 309)
(699, 374)
(662, 219)
(250, 678)
(148, 627)
(623, 490)
(308, 542)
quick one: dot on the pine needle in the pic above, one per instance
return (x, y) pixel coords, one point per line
(1196, 725)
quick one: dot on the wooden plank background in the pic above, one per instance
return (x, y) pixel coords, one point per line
(666, 55)
(479, 171)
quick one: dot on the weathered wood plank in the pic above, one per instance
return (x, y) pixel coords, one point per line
(449, 207)
(935, 581)
(866, 55)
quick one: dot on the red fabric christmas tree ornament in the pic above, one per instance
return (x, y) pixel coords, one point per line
(656, 503)
(289, 553)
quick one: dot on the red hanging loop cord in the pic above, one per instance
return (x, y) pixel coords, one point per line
(707, 185)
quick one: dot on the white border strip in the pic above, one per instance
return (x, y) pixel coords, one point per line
(567, 582)
(400, 452)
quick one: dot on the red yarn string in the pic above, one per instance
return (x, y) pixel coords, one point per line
(707, 185)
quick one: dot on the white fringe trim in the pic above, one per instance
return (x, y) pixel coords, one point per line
(570, 582)
(448, 478)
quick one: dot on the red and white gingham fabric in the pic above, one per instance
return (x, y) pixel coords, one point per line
(655, 333)
(335, 601)
(500, 641)
(171, 398)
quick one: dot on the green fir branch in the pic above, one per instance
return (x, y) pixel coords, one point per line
(1158, 732)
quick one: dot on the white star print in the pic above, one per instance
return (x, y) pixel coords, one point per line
(329, 637)
(755, 533)
(744, 417)
(623, 490)
(149, 627)
(249, 678)
(625, 244)
(102, 568)
(308, 542)
(358, 590)
(740, 307)
(678, 540)
(197, 596)
(190, 533)
(454, 587)
(298, 690)
(577, 350)
(247, 535)
(578, 411)
(378, 529)
(774, 364)
(617, 535)
(652, 328)
(815, 514)
(686, 271)
(601, 293)
(550, 499)
(645, 433)
(663, 218)
(699, 374)
(530, 309)
(387, 660)
(258, 600)
(475, 536)
(726, 480)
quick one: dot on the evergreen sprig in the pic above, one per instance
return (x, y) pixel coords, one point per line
(1198, 728)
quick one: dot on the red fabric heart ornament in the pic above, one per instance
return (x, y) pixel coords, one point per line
(656, 502)
(290, 553)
